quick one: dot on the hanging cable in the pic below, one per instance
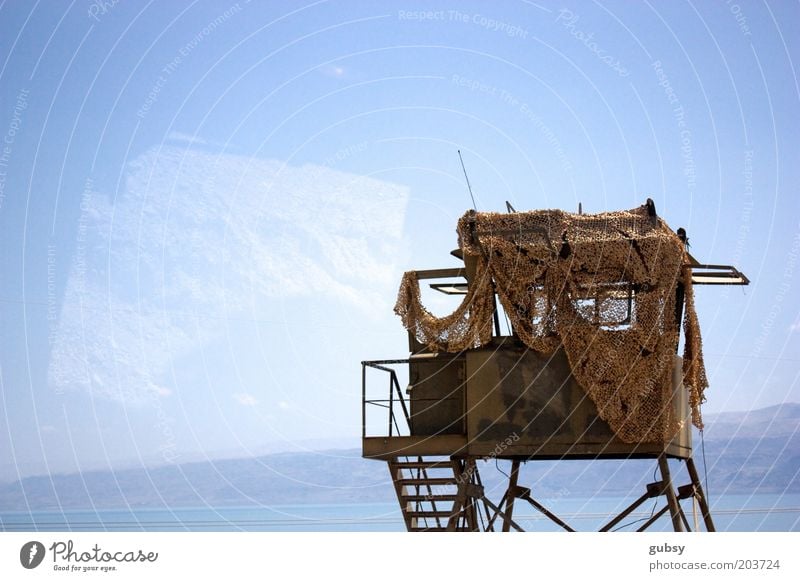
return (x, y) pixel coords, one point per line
(633, 522)
(705, 468)
(496, 465)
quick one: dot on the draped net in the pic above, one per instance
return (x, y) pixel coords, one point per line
(603, 286)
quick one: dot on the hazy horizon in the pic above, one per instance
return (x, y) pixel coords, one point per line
(206, 209)
(717, 426)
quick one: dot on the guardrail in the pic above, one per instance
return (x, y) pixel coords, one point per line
(395, 403)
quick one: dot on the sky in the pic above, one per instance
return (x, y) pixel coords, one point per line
(206, 207)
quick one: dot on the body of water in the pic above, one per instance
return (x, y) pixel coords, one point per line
(762, 512)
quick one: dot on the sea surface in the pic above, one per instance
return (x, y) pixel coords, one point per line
(763, 512)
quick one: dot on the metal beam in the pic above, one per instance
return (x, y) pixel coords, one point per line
(700, 495)
(672, 499)
(512, 484)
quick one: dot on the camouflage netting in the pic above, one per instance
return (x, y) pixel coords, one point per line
(603, 286)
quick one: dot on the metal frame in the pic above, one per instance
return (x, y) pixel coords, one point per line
(717, 274)
(471, 510)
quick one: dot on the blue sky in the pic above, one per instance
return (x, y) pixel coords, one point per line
(206, 207)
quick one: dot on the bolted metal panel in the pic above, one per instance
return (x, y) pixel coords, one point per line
(528, 397)
(436, 391)
(511, 402)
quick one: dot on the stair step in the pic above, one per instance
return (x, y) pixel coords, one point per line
(425, 464)
(422, 481)
(429, 498)
(434, 529)
(429, 513)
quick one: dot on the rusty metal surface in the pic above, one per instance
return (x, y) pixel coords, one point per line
(436, 392)
(531, 398)
(384, 448)
(511, 402)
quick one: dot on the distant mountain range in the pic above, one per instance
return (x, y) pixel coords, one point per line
(747, 452)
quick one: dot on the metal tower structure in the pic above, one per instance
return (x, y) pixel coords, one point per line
(498, 398)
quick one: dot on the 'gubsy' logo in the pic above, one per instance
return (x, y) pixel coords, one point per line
(31, 554)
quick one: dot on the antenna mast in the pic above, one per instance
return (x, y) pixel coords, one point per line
(469, 187)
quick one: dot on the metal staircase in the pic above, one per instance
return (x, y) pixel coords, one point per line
(439, 488)
(432, 493)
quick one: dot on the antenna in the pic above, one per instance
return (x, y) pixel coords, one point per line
(469, 187)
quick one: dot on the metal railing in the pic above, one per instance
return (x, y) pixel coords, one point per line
(394, 403)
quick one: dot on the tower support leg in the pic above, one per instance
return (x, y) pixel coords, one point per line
(700, 495)
(464, 506)
(512, 485)
(672, 499)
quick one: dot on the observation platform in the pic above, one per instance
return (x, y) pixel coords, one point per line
(587, 369)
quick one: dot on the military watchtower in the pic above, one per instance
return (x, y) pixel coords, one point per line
(588, 367)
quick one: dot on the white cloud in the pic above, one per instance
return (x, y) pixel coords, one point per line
(196, 238)
(186, 138)
(162, 391)
(336, 71)
(245, 399)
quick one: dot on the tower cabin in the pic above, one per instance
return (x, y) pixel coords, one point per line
(594, 307)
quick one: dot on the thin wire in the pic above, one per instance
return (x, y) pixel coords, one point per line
(496, 465)
(469, 187)
(705, 468)
(652, 512)
(633, 522)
